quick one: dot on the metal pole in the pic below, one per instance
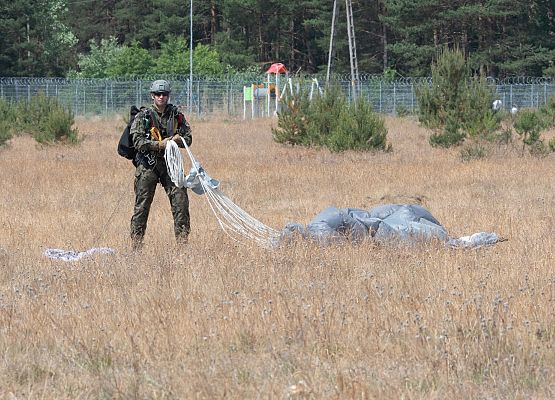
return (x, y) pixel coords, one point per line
(191, 57)
(352, 48)
(332, 41)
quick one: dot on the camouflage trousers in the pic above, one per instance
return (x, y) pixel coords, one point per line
(146, 181)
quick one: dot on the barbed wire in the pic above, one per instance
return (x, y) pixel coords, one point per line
(225, 94)
(253, 78)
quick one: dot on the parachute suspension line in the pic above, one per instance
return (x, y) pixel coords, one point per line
(174, 164)
(233, 220)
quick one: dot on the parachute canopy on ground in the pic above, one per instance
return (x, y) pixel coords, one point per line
(388, 223)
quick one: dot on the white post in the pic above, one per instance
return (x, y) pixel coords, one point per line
(252, 102)
(277, 92)
(268, 95)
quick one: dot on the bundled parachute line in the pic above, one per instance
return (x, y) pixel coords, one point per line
(233, 220)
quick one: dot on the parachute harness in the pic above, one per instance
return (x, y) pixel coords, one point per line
(234, 221)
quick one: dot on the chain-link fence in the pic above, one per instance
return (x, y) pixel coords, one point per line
(205, 97)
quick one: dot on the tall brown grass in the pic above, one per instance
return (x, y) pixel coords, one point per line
(220, 319)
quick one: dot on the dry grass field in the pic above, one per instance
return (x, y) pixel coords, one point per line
(220, 319)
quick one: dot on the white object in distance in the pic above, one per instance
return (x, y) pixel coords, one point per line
(514, 110)
(497, 105)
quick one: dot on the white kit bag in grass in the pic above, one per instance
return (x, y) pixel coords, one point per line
(236, 222)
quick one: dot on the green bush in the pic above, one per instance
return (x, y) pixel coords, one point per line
(528, 125)
(547, 113)
(330, 121)
(358, 128)
(474, 151)
(323, 114)
(456, 105)
(402, 111)
(57, 127)
(7, 118)
(551, 144)
(451, 135)
(477, 118)
(43, 117)
(47, 120)
(292, 121)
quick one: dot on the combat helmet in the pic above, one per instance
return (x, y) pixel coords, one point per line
(160, 85)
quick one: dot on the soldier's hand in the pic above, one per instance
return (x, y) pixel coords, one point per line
(162, 144)
(178, 139)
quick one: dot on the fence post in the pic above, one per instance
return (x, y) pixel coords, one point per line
(198, 98)
(511, 95)
(380, 96)
(394, 99)
(76, 98)
(231, 100)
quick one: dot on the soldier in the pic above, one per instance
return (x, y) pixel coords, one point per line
(151, 130)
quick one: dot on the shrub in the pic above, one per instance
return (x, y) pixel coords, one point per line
(358, 128)
(7, 118)
(547, 113)
(551, 144)
(402, 111)
(43, 117)
(477, 118)
(292, 121)
(324, 113)
(47, 120)
(474, 151)
(450, 136)
(330, 121)
(456, 105)
(57, 126)
(528, 125)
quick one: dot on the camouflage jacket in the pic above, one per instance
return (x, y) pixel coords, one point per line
(146, 145)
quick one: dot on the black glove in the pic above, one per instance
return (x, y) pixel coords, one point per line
(162, 144)
(179, 140)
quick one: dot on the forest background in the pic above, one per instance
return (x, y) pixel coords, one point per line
(108, 38)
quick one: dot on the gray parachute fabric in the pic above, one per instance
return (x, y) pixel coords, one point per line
(390, 223)
(70, 255)
(193, 179)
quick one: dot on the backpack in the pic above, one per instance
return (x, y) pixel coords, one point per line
(125, 145)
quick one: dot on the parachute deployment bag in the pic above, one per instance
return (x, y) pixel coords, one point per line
(125, 145)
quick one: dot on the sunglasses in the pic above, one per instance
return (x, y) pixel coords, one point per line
(158, 94)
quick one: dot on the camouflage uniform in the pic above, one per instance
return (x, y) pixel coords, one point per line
(151, 170)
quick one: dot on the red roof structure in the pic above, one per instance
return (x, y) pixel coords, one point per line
(277, 68)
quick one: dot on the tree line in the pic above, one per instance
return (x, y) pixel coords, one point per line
(394, 37)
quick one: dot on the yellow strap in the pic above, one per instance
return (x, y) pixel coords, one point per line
(155, 133)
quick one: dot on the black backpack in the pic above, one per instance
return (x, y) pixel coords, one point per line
(125, 145)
